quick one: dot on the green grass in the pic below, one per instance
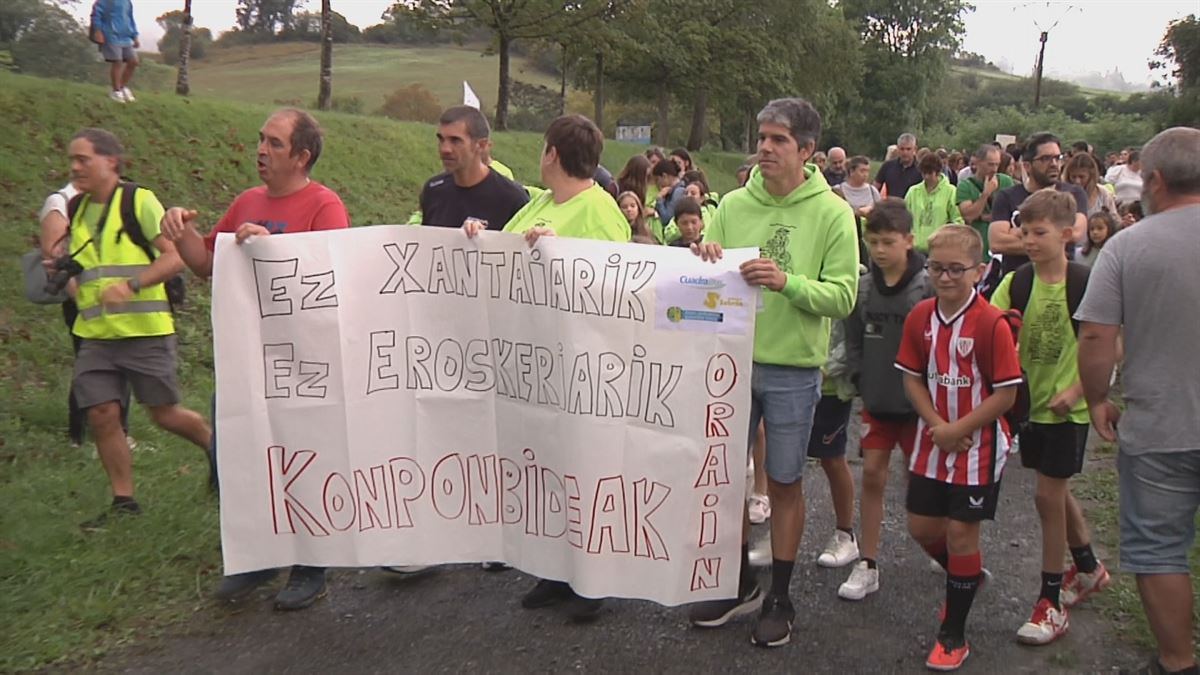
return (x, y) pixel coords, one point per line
(1089, 92)
(68, 598)
(1121, 604)
(288, 71)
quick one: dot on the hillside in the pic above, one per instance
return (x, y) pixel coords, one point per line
(67, 597)
(288, 71)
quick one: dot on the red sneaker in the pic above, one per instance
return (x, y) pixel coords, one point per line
(946, 658)
(1047, 624)
(1078, 586)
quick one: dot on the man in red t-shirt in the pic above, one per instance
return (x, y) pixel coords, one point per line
(960, 370)
(289, 144)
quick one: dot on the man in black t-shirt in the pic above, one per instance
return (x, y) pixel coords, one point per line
(468, 189)
(900, 173)
(1041, 162)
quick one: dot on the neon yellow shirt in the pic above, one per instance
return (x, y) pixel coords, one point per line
(591, 214)
(1048, 349)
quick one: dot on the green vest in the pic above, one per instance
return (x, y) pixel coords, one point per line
(111, 259)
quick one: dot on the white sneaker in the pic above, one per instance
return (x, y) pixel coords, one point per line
(117, 96)
(1045, 626)
(127, 94)
(841, 550)
(863, 581)
(760, 508)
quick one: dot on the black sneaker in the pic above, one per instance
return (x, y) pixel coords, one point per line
(234, 587)
(774, 627)
(118, 509)
(714, 613)
(583, 610)
(304, 586)
(547, 593)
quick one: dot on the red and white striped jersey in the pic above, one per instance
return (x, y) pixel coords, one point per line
(944, 350)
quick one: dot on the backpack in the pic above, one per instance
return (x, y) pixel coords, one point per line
(175, 286)
(1022, 288)
(92, 27)
(1018, 415)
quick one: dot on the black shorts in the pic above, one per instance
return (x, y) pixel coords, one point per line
(964, 503)
(830, 421)
(1055, 450)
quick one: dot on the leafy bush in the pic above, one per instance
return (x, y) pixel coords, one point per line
(414, 103)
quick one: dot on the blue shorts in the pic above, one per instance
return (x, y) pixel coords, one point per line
(1160, 494)
(784, 398)
(114, 54)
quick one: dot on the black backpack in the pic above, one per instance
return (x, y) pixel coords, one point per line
(175, 286)
(1020, 289)
(1018, 414)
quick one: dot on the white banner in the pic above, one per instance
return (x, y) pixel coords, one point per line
(402, 395)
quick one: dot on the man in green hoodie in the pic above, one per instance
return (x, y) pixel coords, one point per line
(809, 268)
(933, 202)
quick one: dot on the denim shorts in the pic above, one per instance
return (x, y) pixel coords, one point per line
(784, 398)
(1160, 494)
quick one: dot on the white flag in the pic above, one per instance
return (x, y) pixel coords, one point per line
(469, 97)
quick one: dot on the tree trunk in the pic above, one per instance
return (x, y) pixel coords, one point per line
(662, 131)
(501, 122)
(599, 93)
(182, 86)
(699, 119)
(326, 92)
(751, 132)
(562, 89)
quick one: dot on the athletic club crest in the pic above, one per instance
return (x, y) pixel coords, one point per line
(964, 346)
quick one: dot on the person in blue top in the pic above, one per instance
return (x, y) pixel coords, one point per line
(116, 32)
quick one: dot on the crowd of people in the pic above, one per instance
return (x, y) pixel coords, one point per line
(952, 294)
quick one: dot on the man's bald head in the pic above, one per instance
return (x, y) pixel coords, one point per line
(837, 159)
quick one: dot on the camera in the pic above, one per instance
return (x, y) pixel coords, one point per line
(61, 271)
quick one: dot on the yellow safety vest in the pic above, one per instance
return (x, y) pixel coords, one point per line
(112, 257)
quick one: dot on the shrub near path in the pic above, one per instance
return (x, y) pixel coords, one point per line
(65, 596)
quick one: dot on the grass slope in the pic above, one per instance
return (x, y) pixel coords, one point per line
(66, 597)
(288, 71)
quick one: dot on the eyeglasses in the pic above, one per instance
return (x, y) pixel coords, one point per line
(952, 271)
(1049, 158)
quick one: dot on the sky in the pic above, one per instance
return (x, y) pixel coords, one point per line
(1090, 35)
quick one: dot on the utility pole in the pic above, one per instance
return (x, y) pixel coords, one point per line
(1041, 60)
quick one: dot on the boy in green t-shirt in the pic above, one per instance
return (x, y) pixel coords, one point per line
(1053, 444)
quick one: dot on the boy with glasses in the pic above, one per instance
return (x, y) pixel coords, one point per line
(960, 373)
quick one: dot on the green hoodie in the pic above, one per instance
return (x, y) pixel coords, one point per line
(810, 235)
(931, 210)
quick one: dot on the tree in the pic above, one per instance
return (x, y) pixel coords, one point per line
(1178, 57)
(325, 91)
(510, 20)
(265, 17)
(306, 26)
(45, 40)
(182, 86)
(170, 45)
(906, 44)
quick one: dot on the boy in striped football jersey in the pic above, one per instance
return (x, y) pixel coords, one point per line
(961, 368)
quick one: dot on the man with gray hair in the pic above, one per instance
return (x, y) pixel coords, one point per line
(809, 268)
(901, 173)
(835, 172)
(1143, 279)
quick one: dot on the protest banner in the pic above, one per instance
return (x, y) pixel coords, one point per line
(405, 395)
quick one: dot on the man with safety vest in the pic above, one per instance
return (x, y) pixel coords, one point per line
(124, 322)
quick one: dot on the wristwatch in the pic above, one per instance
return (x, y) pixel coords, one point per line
(134, 284)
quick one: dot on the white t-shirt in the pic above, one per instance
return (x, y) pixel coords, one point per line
(859, 197)
(57, 202)
(1127, 182)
